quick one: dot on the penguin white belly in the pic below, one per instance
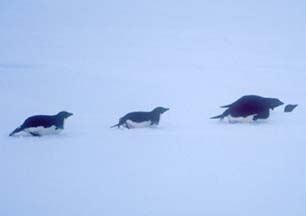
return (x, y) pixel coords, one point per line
(247, 119)
(144, 124)
(42, 130)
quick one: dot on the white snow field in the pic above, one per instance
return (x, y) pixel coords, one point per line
(103, 59)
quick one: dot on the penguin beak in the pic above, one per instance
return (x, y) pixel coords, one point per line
(69, 114)
(166, 109)
(279, 104)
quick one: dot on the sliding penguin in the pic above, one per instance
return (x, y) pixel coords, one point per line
(290, 107)
(43, 124)
(250, 105)
(141, 119)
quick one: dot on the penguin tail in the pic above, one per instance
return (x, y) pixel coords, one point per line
(116, 125)
(121, 122)
(226, 106)
(218, 117)
(16, 131)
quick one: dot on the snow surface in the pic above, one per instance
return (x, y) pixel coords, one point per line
(102, 59)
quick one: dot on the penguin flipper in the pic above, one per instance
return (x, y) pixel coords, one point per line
(35, 134)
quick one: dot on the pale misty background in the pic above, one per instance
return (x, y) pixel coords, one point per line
(102, 59)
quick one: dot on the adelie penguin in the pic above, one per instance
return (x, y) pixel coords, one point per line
(141, 119)
(250, 105)
(290, 107)
(43, 124)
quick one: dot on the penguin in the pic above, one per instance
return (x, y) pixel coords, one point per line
(43, 124)
(250, 105)
(141, 119)
(290, 107)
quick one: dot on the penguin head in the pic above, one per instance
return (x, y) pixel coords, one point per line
(274, 102)
(160, 110)
(64, 114)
